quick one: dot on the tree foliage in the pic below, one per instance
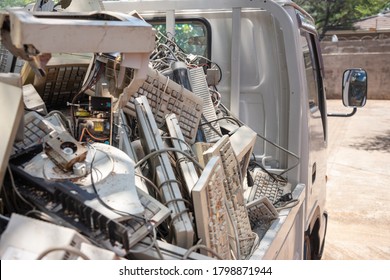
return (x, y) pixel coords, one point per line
(333, 14)
(188, 37)
(14, 3)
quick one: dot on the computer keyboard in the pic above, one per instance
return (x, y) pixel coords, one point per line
(234, 194)
(34, 131)
(266, 186)
(165, 97)
(211, 131)
(261, 209)
(73, 206)
(63, 80)
(211, 215)
(5, 60)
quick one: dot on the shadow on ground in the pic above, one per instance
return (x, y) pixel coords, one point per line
(379, 143)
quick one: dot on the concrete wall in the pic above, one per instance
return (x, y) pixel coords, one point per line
(372, 55)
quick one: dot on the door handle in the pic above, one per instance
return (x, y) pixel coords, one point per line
(313, 173)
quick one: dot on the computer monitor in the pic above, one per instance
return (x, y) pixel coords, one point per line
(243, 141)
(11, 116)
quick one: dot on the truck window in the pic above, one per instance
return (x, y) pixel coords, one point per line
(192, 36)
(314, 77)
(311, 80)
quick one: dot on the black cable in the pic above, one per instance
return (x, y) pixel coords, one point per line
(158, 152)
(175, 199)
(275, 177)
(269, 142)
(178, 199)
(158, 250)
(201, 246)
(10, 207)
(150, 183)
(16, 190)
(179, 140)
(222, 118)
(209, 123)
(177, 215)
(127, 129)
(180, 160)
(153, 241)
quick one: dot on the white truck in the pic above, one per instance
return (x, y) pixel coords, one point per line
(247, 82)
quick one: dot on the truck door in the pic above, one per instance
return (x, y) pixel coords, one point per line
(316, 191)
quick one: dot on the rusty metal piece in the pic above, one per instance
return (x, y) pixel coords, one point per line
(64, 150)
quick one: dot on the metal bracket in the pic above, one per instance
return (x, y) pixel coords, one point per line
(343, 115)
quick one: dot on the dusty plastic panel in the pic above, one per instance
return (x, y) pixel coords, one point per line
(165, 178)
(187, 168)
(11, 116)
(26, 238)
(211, 131)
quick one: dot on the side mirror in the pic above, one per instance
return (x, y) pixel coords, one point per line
(354, 88)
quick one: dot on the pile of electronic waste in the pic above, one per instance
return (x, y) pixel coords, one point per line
(168, 176)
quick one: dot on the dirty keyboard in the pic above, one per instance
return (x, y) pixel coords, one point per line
(266, 186)
(34, 132)
(234, 193)
(211, 214)
(165, 97)
(261, 209)
(212, 131)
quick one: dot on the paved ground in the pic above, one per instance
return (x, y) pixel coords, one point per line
(358, 190)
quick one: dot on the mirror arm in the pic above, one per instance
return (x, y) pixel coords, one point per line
(343, 115)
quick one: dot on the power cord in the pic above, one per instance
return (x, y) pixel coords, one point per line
(69, 249)
(158, 152)
(122, 213)
(200, 246)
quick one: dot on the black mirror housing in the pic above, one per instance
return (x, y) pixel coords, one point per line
(354, 88)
